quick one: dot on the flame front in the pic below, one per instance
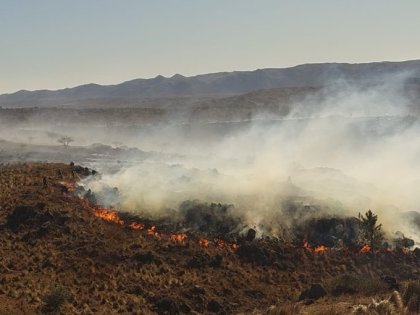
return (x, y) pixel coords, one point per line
(317, 249)
(136, 226)
(108, 215)
(320, 248)
(365, 249)
(225, 245)
(306, 245)
(112, 216)
(178, 238)
(152, 231)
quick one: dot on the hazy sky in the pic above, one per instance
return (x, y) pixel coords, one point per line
(55, 44)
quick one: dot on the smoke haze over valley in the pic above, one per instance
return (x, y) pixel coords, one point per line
(336, 137)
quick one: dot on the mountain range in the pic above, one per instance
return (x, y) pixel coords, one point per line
(214, 85)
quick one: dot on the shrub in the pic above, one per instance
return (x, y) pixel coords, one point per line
(289, 309)
(55, 299)
(352, 284)
(411, 297)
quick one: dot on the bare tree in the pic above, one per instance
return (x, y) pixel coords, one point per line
(65, 141)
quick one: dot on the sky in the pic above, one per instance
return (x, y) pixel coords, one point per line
(50, 44)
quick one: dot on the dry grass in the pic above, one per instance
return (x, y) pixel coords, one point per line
(356, 284)
(284, 309)
(97, 262)
(411, 297)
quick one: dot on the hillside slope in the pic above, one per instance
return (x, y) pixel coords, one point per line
(212, 85)
(57, 252)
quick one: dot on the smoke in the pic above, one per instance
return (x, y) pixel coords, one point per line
(342, 150)
(347, 147)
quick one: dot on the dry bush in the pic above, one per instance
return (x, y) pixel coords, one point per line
(360, 310)
(411, 297)
(396, 300)
(289, 309)
(330, 311)
(55, 299)
(384, 307)
(395, 305)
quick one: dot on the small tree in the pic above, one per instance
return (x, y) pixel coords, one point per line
(370, 231)
(65, 140)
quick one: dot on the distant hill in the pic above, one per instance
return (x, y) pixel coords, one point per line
(213, 85)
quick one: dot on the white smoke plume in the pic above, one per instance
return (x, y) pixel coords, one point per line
(346, 149)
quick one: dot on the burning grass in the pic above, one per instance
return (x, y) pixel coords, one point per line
(112, 216)
(108, 215)
(316, 249)
(110, 262)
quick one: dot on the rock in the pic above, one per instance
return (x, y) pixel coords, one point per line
(315, 292)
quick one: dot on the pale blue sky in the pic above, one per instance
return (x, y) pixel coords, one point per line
(55, 43)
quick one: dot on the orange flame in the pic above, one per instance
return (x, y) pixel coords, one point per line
(306, 245)
(365, 249)
(136, 226)
(152, 231)
(113, 216)
(108, 215)
(220, 243)
(178, 238)
(224, 245)
(234, 246)
(320, 248)
(203, 242)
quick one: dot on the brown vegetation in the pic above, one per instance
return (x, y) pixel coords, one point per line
(56, 255)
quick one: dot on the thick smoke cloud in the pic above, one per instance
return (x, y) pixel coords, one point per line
(345, 148)
(342, 150)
